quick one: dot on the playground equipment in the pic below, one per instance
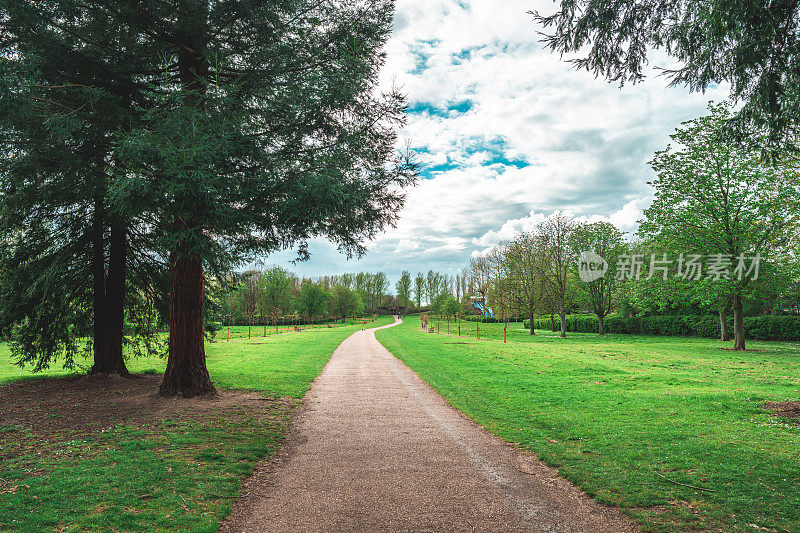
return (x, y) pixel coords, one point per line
(484, 309)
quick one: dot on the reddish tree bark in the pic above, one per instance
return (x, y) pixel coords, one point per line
(186, 372)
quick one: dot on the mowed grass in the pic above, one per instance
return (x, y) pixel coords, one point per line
(279, 365)
(614, 412)
(174, 467)
(260, 331)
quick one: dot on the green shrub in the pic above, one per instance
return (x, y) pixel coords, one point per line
(213, 327)
(772, 327)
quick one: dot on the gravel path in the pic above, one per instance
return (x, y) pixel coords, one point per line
(376, 449)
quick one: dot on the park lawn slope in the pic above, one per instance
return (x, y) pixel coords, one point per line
(109, 455)
(616, 413)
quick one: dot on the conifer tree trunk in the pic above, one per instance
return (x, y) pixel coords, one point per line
(115, 300)
(109, 303)
(186, 372)
(98, 287)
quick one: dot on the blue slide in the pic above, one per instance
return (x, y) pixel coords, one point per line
(486, 311)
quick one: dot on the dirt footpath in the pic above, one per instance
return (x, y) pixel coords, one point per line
(376, 449)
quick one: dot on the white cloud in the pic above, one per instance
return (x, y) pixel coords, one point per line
(628, 217)
(586, 142)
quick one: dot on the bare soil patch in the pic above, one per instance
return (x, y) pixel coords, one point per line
(90, 403)
(140, 451)
(789, 409)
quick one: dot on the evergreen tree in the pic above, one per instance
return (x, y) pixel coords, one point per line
(68, 80)
(267, 131)
(224, 129)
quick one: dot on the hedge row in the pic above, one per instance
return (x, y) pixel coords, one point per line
(767, 328)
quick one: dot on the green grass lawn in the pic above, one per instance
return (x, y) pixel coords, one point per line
(613, 412)
(166, 465)
(254, 332)
(278, 365)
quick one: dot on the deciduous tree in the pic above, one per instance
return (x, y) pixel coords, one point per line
(275, 290)
(523, 257)
(313, 299)
(722, 200)
(605, 240)
(403, 288)
(344, 302)
(558, 257)
(419, 289)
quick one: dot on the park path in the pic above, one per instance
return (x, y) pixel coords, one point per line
(376, 449)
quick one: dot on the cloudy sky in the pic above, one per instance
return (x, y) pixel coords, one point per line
(507, 133)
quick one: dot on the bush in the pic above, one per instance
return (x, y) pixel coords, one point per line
(213, 327)
(765, 328)
(771, 327)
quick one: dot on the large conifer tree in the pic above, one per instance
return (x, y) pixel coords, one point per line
(69, 82)
(753, 45)
(268, 131)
